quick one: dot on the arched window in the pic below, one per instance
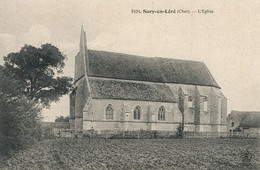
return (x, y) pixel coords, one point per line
(137, 113)
(205, 104)
(161, 113)
(109, 112)
(190, 101)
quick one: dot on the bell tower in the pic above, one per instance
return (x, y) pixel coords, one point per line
(81, 83)
(81, 59)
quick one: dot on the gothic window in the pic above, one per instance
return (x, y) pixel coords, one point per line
(206, 104)
(161, 113)
(109, 112)
(137, 113)
(232, 124)
(190, 101)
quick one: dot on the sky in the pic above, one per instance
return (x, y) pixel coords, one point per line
(227, 40)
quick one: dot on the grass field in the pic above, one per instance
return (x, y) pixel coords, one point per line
(137, 154)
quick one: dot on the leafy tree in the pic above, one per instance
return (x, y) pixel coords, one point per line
(29, 81)
(10, 87)
(19, 117)
(36, 69)
(62, 119)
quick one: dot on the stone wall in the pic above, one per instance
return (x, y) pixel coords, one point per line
(196, 116)
(59, 125)
(124, 119)
(81, 96)
(252, 130)
(209, 116)
(72, 110)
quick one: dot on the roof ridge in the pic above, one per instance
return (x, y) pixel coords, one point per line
(145, 56)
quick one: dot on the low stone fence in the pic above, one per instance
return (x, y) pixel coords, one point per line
(58, 125)
(142, 134)
(243, 135)
(220, 135)
(63, 132)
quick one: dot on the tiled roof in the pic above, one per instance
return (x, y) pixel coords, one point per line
(247, 118)
(153, 69)
(127, 90)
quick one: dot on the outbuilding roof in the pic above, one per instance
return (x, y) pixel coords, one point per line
(247, 118)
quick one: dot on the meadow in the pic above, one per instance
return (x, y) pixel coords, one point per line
(86, 153)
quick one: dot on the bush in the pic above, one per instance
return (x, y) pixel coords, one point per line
(179, 133)
(19, 124)
(48, 133)
(62, 119)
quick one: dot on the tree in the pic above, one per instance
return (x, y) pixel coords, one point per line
(62, 119)
(36, 69)
(28, 82)
(19, 117)
(10, 87)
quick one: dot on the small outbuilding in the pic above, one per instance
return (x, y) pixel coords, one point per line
(245, 122)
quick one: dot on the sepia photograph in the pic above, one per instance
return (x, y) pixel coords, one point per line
(140, 84)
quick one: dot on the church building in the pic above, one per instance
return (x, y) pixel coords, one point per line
(115, 91)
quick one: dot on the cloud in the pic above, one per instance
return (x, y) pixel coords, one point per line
(36, 35)
(70, 50)
(7, 45)
(6, 40)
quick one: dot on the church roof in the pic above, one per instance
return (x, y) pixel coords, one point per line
(127, 90)
(151, 69)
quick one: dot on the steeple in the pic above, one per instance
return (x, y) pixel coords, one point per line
(82, 60)
(83, 43)
(84, 54)
(83, 90)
